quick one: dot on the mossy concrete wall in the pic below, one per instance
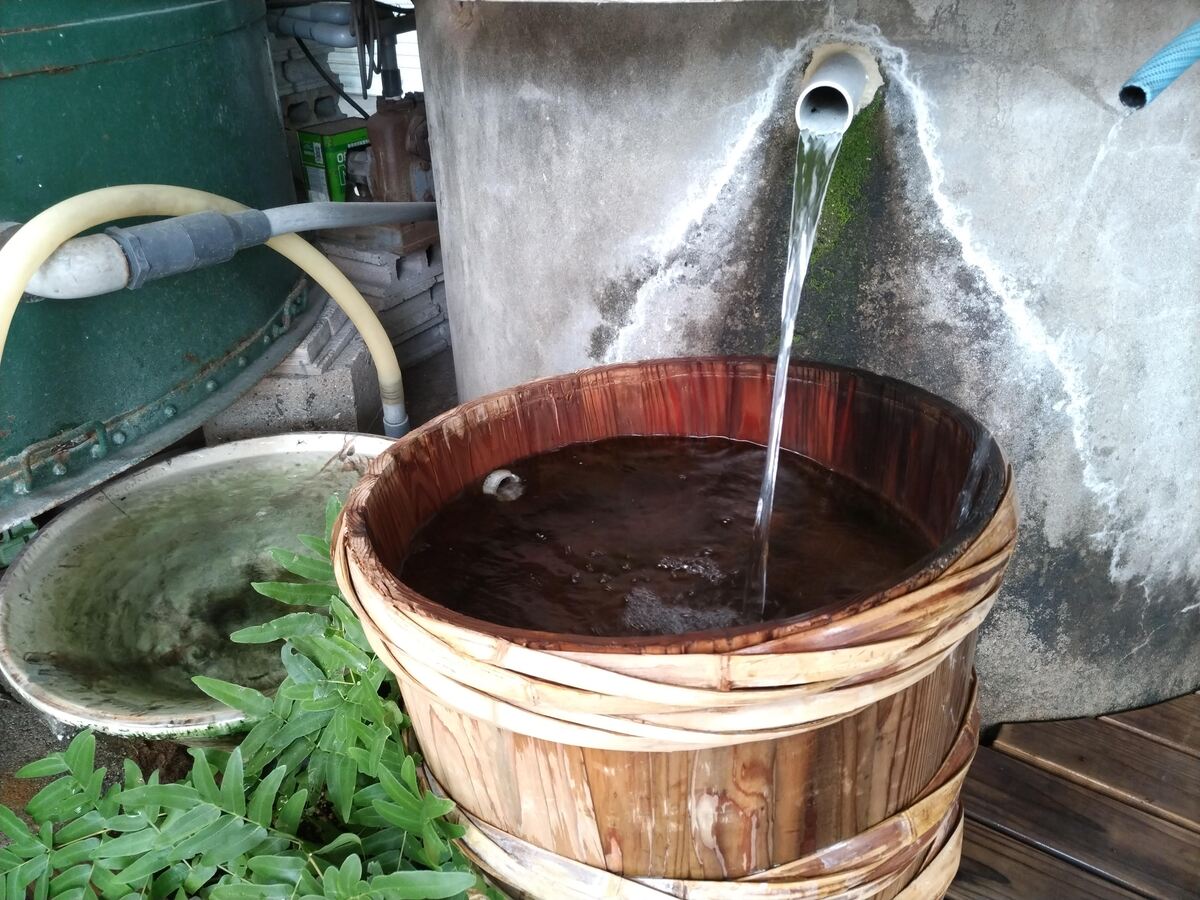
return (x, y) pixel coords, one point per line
(613, 183)
(841, 252)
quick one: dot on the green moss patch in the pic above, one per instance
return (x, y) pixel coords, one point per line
(839, 251)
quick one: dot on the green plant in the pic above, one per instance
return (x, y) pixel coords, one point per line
(319, 800)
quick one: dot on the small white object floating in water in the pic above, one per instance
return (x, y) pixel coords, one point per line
(503, 485)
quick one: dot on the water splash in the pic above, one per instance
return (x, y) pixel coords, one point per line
(648, 613)
(815, 157)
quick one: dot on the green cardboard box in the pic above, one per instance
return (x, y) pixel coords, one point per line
(323, 151)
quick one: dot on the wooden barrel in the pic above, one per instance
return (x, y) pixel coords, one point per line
(814, 757)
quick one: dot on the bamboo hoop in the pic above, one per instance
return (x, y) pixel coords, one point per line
(542, 875)
(928, 832)
(591, 700)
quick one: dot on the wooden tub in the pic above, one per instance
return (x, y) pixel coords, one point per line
(813, 757)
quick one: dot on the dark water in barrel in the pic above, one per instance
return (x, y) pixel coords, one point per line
(639, 535)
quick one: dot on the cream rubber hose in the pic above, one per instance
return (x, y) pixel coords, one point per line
(32, 245)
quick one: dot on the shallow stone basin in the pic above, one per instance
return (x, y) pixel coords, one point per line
(123, 597)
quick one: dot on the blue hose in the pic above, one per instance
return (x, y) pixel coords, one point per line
(1162, 68)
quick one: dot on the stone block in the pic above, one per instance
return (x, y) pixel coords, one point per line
(339, 393)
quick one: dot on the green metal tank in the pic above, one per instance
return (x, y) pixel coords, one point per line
(94, 94)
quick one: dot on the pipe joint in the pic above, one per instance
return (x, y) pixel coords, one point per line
(186, 243)
(395, 419)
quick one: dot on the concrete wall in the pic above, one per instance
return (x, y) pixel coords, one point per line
(613, 184)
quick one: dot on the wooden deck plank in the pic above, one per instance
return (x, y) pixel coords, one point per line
(1123, 764)
(1175, 723)
(998, 867)
(1126, 845)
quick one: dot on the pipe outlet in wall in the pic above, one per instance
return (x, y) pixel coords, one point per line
(840, 80)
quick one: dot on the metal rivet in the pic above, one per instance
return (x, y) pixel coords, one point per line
(242, 362)
(210, 385)
(97, 451)
(266, 339)
(21, 487)
(58, 469)
(118, 437)
(169, 411)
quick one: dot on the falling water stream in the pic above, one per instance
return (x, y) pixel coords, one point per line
(815, 156)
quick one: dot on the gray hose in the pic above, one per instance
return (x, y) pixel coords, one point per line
(312, 216)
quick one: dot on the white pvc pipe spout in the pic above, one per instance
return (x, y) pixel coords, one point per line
(838, 83)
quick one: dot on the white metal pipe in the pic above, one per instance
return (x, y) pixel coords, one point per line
(832, 93)
(84, 267)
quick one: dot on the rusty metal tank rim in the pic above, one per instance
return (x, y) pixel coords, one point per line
(114, 445)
